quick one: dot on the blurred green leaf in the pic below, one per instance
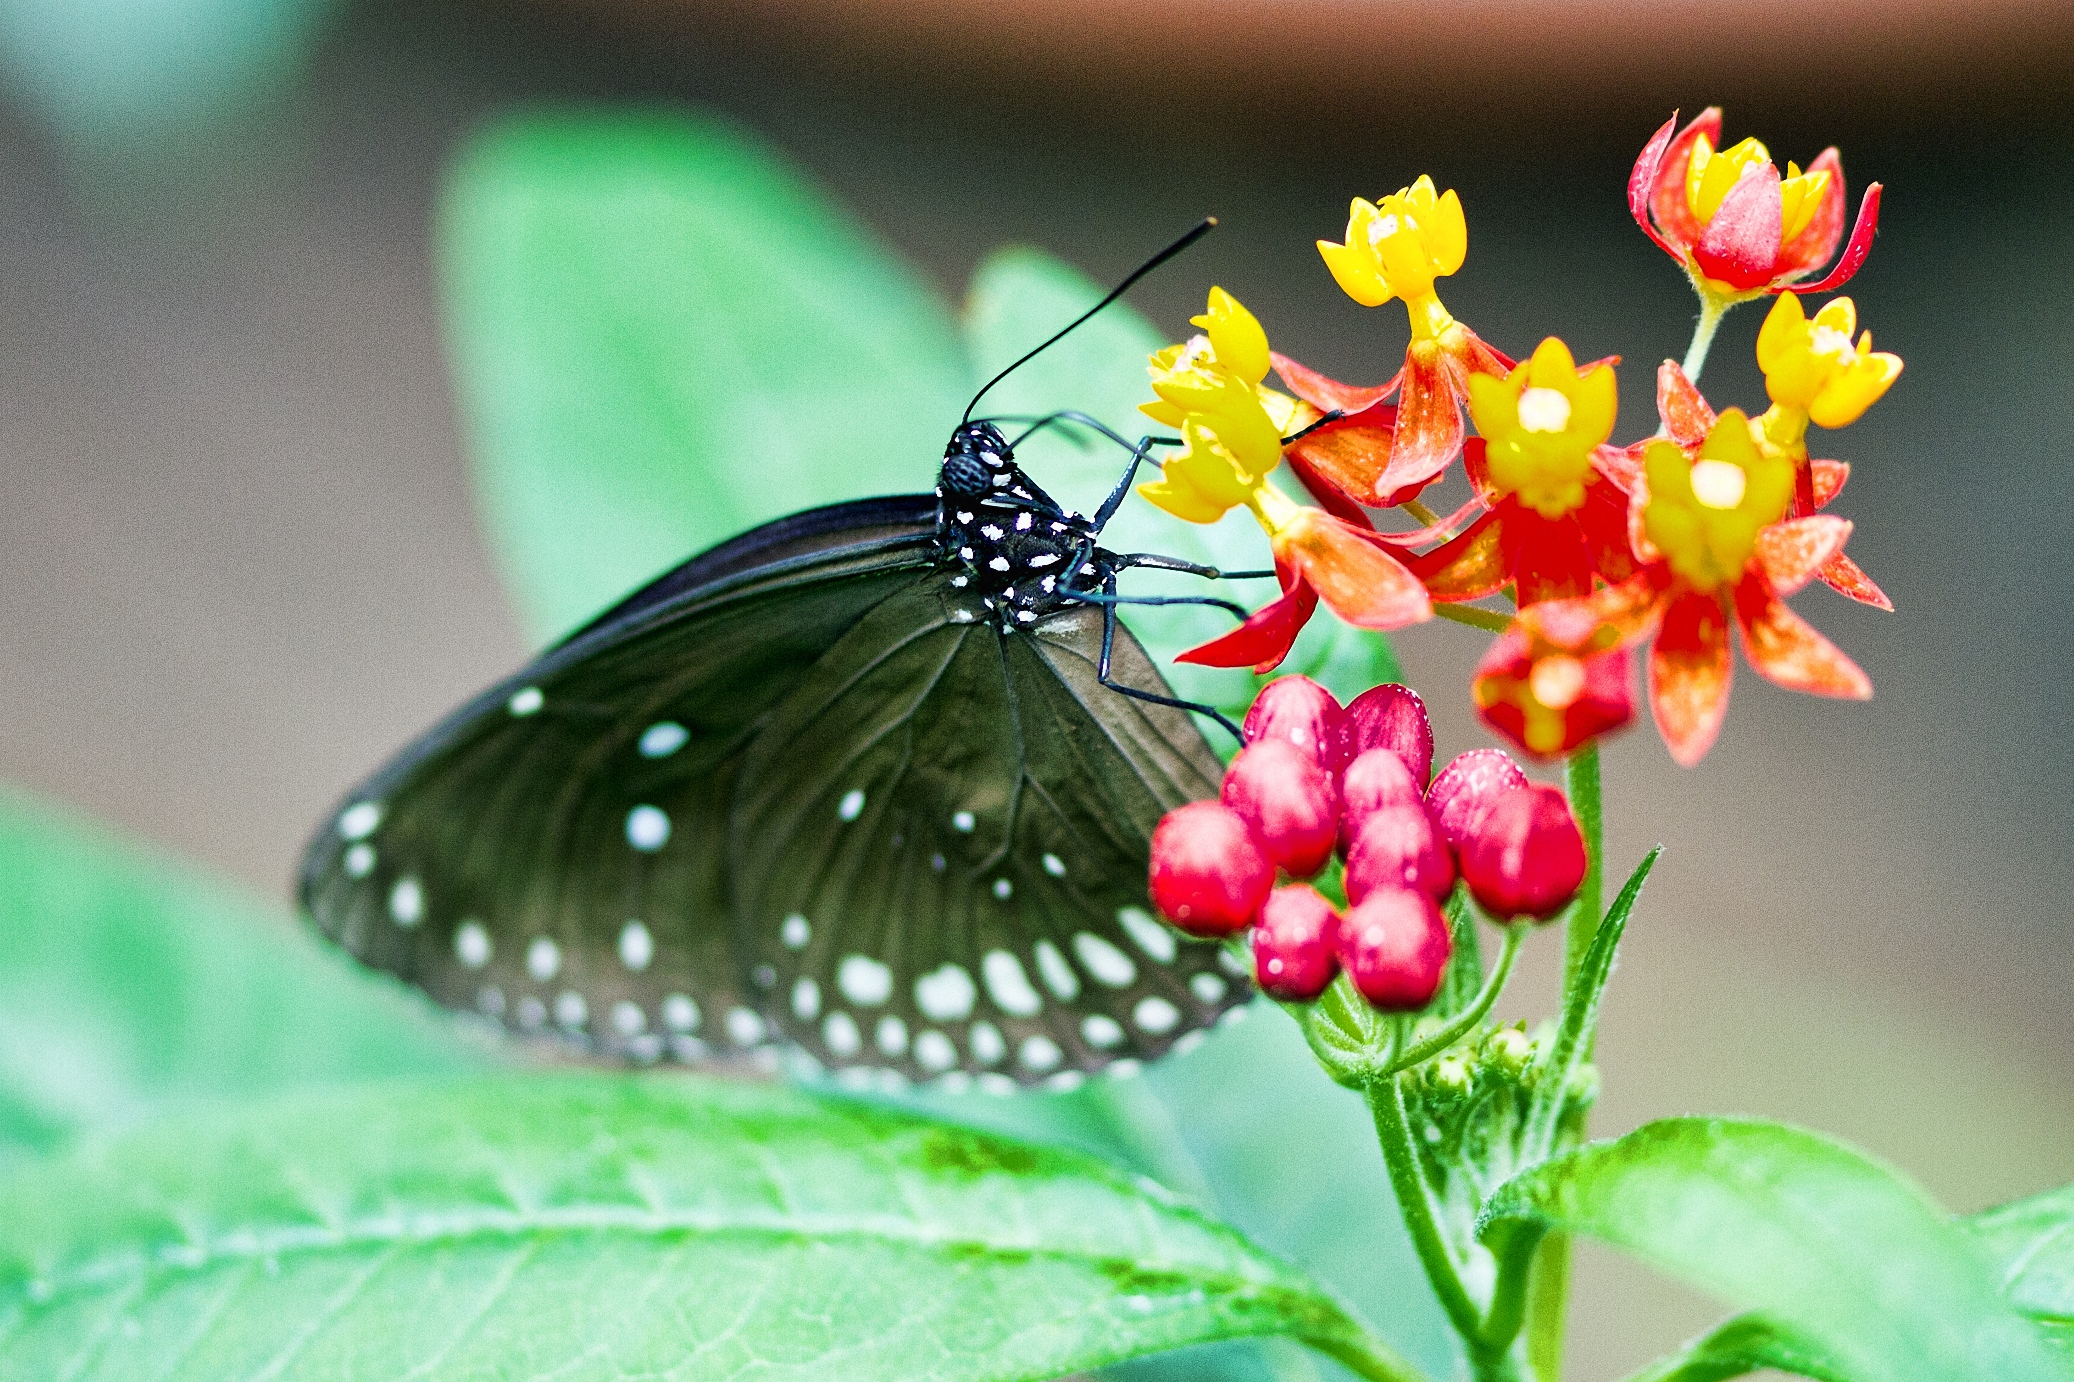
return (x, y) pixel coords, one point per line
(128, 982)
(607, 1227)
(2031, 1243)
(1745, 1344)
(1839, 1249)
(662, 335)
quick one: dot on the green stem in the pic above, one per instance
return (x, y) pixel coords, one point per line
(1488, 620)
(1581, 780)
(1369, 1357)
(1471, 1015)
(1712, 310)
(1548, 1299)
(1415, 1203)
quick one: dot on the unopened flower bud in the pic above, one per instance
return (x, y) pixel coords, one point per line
(1395, 947)
(1302, 712)
(1289, 801)
(1524, 855)
(1450, 1076)
(1508, 1051)
(1390, 717)
(1581, 1090)
(1376, 779)
(1293, 947)
(1464, 789)
(1209, 875)
(1398, 848)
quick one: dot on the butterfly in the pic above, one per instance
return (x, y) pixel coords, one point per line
(875, 782)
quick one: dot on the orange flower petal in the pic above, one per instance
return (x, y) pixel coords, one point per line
(1690, 668)
(1467, 568)
(1829, 477)
(1358, 580)
(1328, 394)
(1842, 575)
(1686, 416)
(1791, 553)
(1787, 651)
(1618, 616)
(1429, 424)
(1351, 455)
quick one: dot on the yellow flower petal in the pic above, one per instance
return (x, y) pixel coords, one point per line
(1355, 272)
(1236, 336)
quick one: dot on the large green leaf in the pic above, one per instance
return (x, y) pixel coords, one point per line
(1838, 1248)
(662, 335)
(610, 1227)
(1743, 1345)
(1018, 298)
(128, 982)
(2031, 1243)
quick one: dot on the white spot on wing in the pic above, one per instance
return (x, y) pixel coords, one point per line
(543, 959)
(1058, 975)
(963, 822)
(998, 564)
(1208, 988)
(570, 1009)
(946, 994)
(648, 829)
(1146, 932)
(1065, 1081)
(1003, 889)
(1000, 1086)
(1008, 985)
(1101, 1031)
(1155, 1014)
(489, 999)
(358, 821)
(987, 1045)
(359, 861)
(663, 738)
(525, 701)
(472, 944)
(628, 1019)
(864, 981)
(407, 902)
(744, 1028)
(794, 933)
(531, 1012)
(892, 1035)
(636, 946)
(841, 1035)
(680, 1014)
(1040, 1053)
(1054, 866)
(934, 1052)
(806, 999)
(851, 806)
(1108, 964)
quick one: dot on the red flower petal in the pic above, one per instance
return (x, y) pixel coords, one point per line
(1328, 394)
(1818, 238)
(1790, 553)
(1468, 568)
(1547, 556)
(1329, 495)
(1667, 195)
(1829, 479)
(1689, 672)
(1604, 522)
(1351, 455)
(1740, 246)
(1503, 690)
(1642, 181)
(1854, 252)
(1786, 650)
(1686, 416)
(1429, 424)
(1617, 616)
(1842, 575)
(1264, 639)
(1360, 581)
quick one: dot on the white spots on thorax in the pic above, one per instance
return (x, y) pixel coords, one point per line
(988, 1045)
(997, 564)
(1049, 584)
(964, 515)
(1108, 964)
(628, 1019)
(358, 821)
(1040, 1053)
(570, 1009)
(1008, 985)
(543, 959)
(1003, 889)
(946, 994)
(1054, 865)
(891, 1036)
(794, 932)
(1156, 1015)
(472, 944)
(992, 532)
(960, 582)
(1101, 1031)
(1058, 527)
(841, 1036)
(1209, 989)
(744, 1027)
(934, 1052)
(359, 861)
(964, 822)
(851, 806)
(1022, 522)
(1058, 975)
(636, 946)
(864, 981)
(648, 829)
(526, 701)
(1025, 616)
(963, 616)
(407, 902)
(680, 1014)
(1044, 559)
(1145, 929)
(532, 1013)
(965, 553)
(663, 738)
(806, 999)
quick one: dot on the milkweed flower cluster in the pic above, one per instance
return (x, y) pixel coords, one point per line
(1317, 781)
(1605, 550)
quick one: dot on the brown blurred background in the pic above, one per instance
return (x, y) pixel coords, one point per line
(239, 564)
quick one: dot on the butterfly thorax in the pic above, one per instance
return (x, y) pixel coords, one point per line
(1009, 543)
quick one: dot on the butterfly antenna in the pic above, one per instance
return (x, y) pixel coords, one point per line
(1208, 224)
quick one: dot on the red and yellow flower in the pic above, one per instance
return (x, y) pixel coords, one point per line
(1711, 527)
(1739, 227)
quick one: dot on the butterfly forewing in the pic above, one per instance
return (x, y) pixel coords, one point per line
(927, 898)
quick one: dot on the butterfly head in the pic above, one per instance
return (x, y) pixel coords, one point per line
(978, 461)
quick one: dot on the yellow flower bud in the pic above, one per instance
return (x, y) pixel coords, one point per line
(1397, 248)
(1204, 481)
(1704, 515)
(1236, 337)
(1811, 365)
(1540, 424)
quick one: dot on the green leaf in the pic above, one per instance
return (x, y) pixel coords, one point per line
(1745, 1344)
(2031, 1243)
(663, 335)
(606, 1227)
(1838, 1248)
(1017, 299)
(128, 982)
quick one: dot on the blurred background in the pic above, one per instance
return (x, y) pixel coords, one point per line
(239, 562)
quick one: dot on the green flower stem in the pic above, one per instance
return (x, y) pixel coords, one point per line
(1415, 1203)
(1712, 309)
(1424, 516)
(1488, 620)
(1581, 782)
(1548, 1302)
(1466, 1021)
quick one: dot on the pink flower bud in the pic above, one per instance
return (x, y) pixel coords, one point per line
(1209, 875)
(1465, 789)
(1376, 779)
(1288, 800)
(1302, 712)
(1390, 717)
(1395, 947)
(1525, 856)
(1293, 947)
(1398, 848)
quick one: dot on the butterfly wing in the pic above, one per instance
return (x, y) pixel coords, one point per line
(553, 854)
(939, 845)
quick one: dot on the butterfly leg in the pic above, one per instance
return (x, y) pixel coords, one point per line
(1162, 563)
(1109, 605)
